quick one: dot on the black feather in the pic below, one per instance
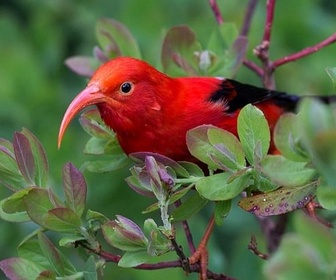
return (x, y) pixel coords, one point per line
(235, 95)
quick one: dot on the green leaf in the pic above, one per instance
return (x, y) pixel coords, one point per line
(285, 172)
(318, 236)
(92, 123)
(14, 203)
(280, 201)
(41, 210)
(192, 169)
(17, 217)
(38, 204)
(115, 39)
(90, 272)
(253, 130)
(10, 175)
(225, 37)
(179, 46)
(95, 146)
(176, 166)
(82, 65)
(62, 220)
(124, 234)
(222, 210)
(51, 253)
(158, 242)
(331, 71)
(262, 183)
(47, 275)
(326, 196)
(310, 238)
(30, 249)
(317, 128)
(231, 152)
(20, 268)
(132, 259)
(286, 138)
(286, 265)
(24, 157)
(9, 172)
(108, 163)
(40, 159)
(173, 198)
(188, 208)
(57, 260)
(70, 240)
(216, 147)
(75, 188)
(95, 220)
(324, 154)
(221, 186)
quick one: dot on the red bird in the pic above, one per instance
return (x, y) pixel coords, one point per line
(151, 112)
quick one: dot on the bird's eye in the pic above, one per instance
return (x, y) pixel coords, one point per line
(126, 87)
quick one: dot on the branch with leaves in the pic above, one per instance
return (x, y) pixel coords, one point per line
(236, 169)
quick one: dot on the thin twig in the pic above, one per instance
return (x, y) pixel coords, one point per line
(187, 232)
(269, 20)
(155, 266)
(179, 251)
(253, 246)
(201, 254)
(305, 52)
(216, 11)
(254, 67)
(251, 7)
(262, 50)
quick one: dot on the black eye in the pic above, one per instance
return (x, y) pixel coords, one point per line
(126, 87)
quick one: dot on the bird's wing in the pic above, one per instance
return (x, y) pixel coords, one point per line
(236, 95)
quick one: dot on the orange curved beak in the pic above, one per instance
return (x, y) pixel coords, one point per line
(89, 96)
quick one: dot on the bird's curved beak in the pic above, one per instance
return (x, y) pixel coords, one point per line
(89, 96)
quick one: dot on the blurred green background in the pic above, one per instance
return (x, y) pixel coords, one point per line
(36, 87)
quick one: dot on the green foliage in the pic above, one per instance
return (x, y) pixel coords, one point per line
(306, 254)
(284, 184)
(273, 184)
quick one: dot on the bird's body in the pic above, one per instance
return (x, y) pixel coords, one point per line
(152, 112)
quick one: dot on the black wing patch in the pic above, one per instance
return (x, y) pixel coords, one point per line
(235, 95)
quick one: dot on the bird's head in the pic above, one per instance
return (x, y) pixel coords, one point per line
(124, 91)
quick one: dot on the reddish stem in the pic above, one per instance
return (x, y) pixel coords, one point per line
(262, 51)
(216, 11)
(161, 265)
(187, 232)
(269, 20)
(254, 67)
(201, 254)
(305, 52)
(251, 6)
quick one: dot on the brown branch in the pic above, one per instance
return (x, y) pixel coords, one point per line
(253, 246)
(216, 11)
(251, 6)
(262, 50)
(187, 232)
(179, 251)
(269, 20)
(254, 67)
(155, 266)
(201, 254)
(305, 52)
